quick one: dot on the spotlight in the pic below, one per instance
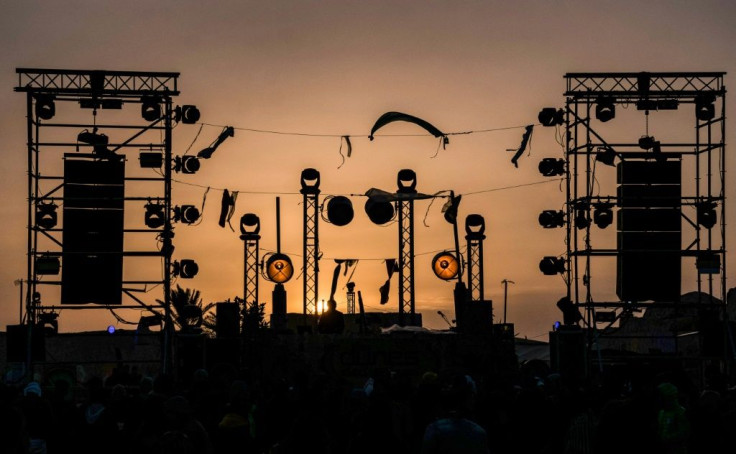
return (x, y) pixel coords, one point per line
(406, 180)
(186, 164)
(340, 210)
(552, 265)
(151, 108)
(46, 216)
(550, 167)
(45, 107)
(570, 313)
(549, 116)
(188, 214)
(475, 224)
(646, 142)
(310, 181)
(185, 269)
(250, 224)
(49, 323)
(279, 268)
(582, 221)
(605, 109)
(605, 155)
(706, 214)
(379, 210)
(154, 217)
(603, 214)
(445, 265)
(47, 265)
(110, 329)
(98, 141)
(151, 160)
(550, 219)
(186, 114)
(705, 110)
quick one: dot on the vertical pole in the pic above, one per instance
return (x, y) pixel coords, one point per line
(32, 174)
(166, 354)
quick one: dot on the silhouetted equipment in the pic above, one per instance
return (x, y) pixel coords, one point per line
(279, 268)
(188, 214)
(582, 219)
(445, 265)
(606, 155)
(339, 210)
(550, 167)
(708, 263)
(310, 181)
(705, 108)
(206, 153)
(45, 107)
(185, 268)
(706, 214)
(475, 227)
(550, 219)
(186, 164)
(154, 217)
(549, 116)
(570, 313)
(250, 227)
(150, 108)
(48, 323)
(406, 180)
(146, 322)
(47, 265)
(227, 320)
(99, 142)
(379, 210)
(186, 114)
(649, 259)
(605, 109)
(46, 216)
(568, 353)
(552, 265)
(350, 298)
(17, 344)
(151, 160)
(93, 231)
(603, 214)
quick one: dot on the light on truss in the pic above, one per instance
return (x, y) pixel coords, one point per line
(154, 217)
(340, 210)
(188, 214)
(185, 269)
(151, 108)
(550, 167)
(250, 224)
(706, 214)
(605, 109)
(379, 210)
(46, 216)
(279, 268)
(445, 265)
(186, 164)
(151, 159)
(45, 107)
(705, 110)
(606, 155)
(602, 215)
(552, 265)
(186, 114)
(550, 219)
(549, 116)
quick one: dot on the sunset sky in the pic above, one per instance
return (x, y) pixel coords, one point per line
(332, 68)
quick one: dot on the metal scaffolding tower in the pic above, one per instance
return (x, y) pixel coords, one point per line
(407, 182)
(474, 234)
(668, 197)
(310, 190)
(59, 175)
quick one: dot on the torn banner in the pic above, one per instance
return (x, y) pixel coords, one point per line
(392, 266)
(390, 117)
(228, 208)
(525, 139)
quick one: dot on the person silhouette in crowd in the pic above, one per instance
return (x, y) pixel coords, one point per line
(331, 321)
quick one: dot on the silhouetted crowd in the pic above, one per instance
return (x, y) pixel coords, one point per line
(229, 411)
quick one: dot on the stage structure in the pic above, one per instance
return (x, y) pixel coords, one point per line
(83, 166)
(250, 227)
(669, 198)
(406, 193)
(475, 227)
(310, 189)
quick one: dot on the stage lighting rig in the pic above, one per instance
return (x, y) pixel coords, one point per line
(705, 110)
(45, 107)
(151, 108)
(186, 114)
(445, 265)
(278, 268)
(186, 164)
(549, 116)
(605, 109)
(552, 265)
(551, 167)
(188, 214)
(185, 269)
(46, 216)
(602, 214)
(154, 217)
(706, 214)
(339, 210)
(550, 219)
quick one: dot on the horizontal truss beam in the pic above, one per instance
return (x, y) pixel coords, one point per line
(98, 83)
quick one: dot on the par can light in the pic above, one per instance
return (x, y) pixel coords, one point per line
(445, 265)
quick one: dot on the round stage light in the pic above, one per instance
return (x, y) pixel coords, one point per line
(279, 268)
(379, 210)
(340, 210)
(445, 265)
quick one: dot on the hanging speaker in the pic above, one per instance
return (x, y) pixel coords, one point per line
(340, 210)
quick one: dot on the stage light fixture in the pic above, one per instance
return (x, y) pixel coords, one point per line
(188, 214)
(379, 210)
(186, 114)
(646, 142)
(602, 215)
(46, 216)
(606, 155)
(549, 116)
(45, 107)
(47, 265)
(705, 110)
(445, 265)
(279, 268)
(550, 167)
(154, 217)
(309, 180)
(706, 214)
(550, 219)
(49, 323)
(151, 160)
(339, 210)
(552, 265)
(185, 269)
(406, 180)
(582, 221)
(151, 108)
(99, 142)
(250, 224)
(570, 313)
(475, 225)
(605, 109)
(186, 164)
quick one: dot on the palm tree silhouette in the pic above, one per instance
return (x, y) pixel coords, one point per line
(183, 299)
